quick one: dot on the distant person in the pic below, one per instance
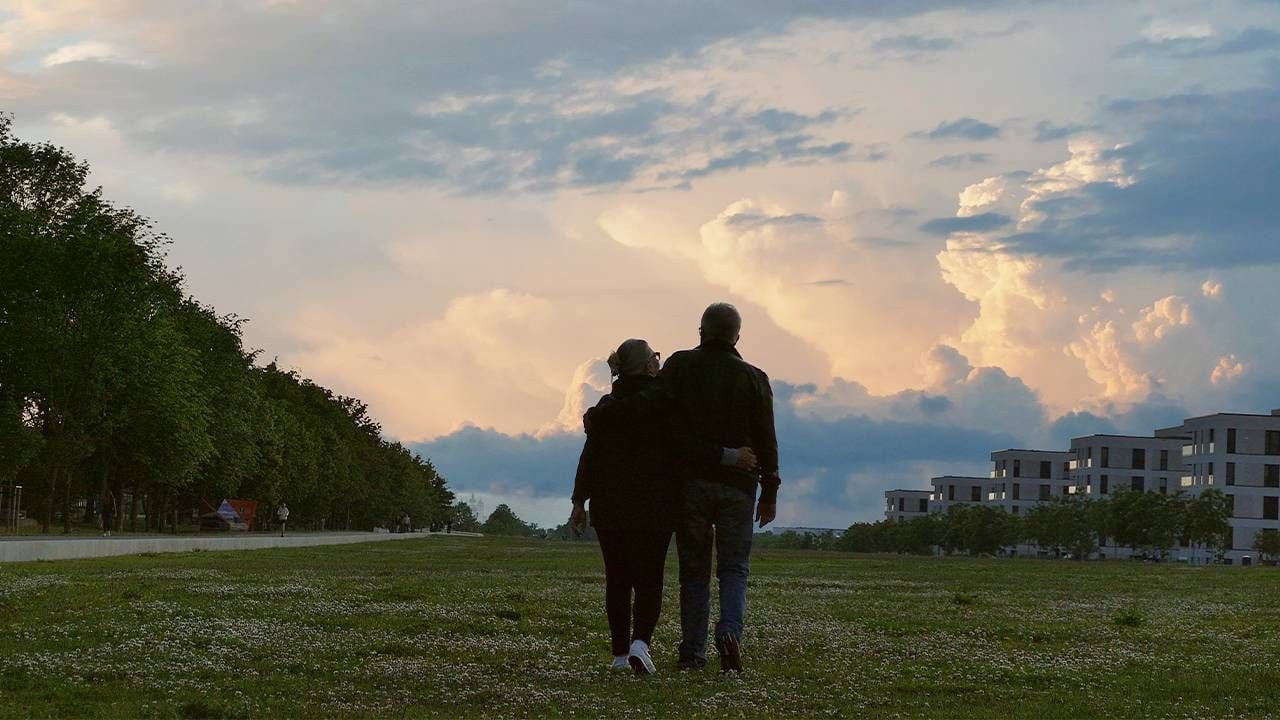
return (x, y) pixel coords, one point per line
(718, 399)
(628, 473)
(108, 513)
(282, 514)
(404, 523)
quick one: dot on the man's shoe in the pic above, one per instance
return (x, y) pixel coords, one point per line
(620, 663)
(640, 660)
(730, 653)
(691, 664)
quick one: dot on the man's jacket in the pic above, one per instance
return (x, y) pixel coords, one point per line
(716, 400)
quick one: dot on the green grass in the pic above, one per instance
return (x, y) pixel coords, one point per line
(459, 626)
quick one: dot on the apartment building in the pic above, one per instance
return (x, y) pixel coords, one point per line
(906, 504)
(1238, 454)
(951, 490)
(1101, 465)
(1022, 478)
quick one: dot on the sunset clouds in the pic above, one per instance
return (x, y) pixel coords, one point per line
(949, 225)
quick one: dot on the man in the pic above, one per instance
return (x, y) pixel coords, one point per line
(717, 400)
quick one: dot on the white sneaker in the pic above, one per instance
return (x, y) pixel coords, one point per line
(639, 658)
(620, 663)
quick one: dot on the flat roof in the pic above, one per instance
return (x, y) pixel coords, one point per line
(1130, 437)
(959, 477)
(905, 490)
(1027, 450)
(1230, 414)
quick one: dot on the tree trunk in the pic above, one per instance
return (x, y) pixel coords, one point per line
(53, 494)
(66, 503)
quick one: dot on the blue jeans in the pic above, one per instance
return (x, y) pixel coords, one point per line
(731, 512)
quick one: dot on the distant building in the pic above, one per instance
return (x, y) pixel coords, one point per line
(906, 504)
(1020, 479)
(1238, 454)
(951, 490)
(805, 531)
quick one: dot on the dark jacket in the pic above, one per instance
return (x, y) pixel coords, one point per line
(715, 400)
(628, 470)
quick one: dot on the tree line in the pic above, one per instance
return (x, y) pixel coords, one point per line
(1149, 524)
(113, 380)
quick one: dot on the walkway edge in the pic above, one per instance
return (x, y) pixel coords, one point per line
(32, 550)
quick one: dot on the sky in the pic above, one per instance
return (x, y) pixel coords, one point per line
(951, 227)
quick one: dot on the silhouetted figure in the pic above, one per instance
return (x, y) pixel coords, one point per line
(282, 514)
(717, 400)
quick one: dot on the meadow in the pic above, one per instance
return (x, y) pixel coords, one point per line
(446, 627)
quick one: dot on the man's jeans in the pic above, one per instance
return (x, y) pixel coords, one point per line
(731, 512)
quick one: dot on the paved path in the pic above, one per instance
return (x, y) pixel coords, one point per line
(25, 549)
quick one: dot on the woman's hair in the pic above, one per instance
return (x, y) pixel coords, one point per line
(631, 358)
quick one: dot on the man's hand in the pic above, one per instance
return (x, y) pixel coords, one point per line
(747, 459)
(578, 519)
(766, 513)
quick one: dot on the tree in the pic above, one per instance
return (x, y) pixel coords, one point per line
(504, 521)
(1267, 543)
(1145, 522)
(464, 519)
(1205, 521)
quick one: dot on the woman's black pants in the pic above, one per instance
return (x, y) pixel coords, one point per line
(634, 561)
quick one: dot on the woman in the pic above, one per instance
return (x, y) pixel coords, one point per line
(631, 474)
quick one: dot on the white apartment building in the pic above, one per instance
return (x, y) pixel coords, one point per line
(1022, 478)
(1238, 454)
(1101, 465)
(950, 490)
(903, 505)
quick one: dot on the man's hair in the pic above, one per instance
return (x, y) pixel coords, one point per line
(721, 322)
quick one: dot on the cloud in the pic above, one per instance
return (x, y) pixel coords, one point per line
(1211, 288)
(1192, 190)
(1047, 131)
(1227, 369)
(90, 51)
(982, 222)
(961, 161)
(966, 128)
(1161, 318)
(913, 45)
(1199, 42)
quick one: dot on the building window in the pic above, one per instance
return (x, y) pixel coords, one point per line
(1106, 457)
(1068, 489)
(901, 504)
(1017, 491)
(1231, 506)
(1231, 440)
(1137, 483)
(1046, 491)
(1103, 482)
(1164, 486)
(1015, 509)
(1139, 459)
(1164, 459)
(975, 494)
(1231, 473)
(1210, 439)
(1017, 468)
(951, 492)
(1271, 476)
(1273, 442)
(924, 506)
(1046, 469)
(1271, 507)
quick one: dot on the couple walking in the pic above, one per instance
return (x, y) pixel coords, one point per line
(682, 448)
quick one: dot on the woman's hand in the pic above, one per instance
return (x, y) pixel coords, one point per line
(578, 519)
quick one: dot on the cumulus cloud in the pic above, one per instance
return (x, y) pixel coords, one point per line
(1162, 317)
(781, 260)
(1211, 288)
(1199, 41)
(1227, 369)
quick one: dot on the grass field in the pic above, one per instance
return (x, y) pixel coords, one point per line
(461, 626)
